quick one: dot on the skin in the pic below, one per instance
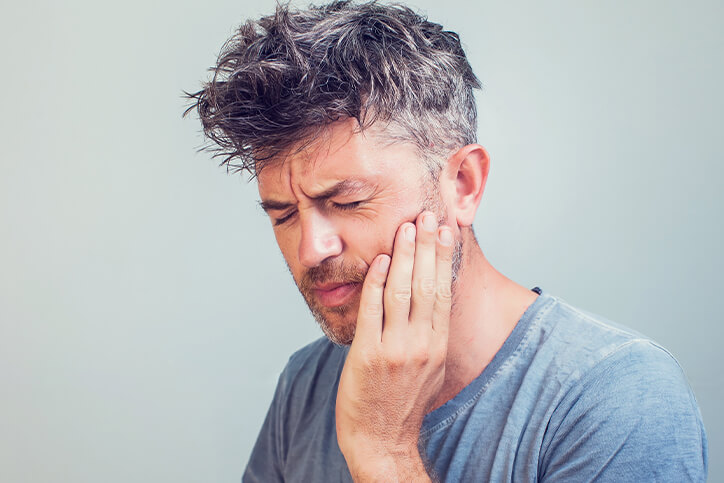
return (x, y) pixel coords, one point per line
(415, 343)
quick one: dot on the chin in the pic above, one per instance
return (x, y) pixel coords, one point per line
(338, 327)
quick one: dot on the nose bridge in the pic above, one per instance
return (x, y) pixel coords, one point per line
(319, 237)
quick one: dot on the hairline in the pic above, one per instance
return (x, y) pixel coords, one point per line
(394, 133)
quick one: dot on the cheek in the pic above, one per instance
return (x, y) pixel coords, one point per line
(375, 237)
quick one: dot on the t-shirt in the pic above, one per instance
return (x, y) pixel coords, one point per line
(568, 397)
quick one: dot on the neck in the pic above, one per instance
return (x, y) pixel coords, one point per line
(486, 308)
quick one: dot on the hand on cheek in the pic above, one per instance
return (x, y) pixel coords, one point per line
(396, 364)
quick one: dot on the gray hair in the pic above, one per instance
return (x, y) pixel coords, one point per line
(282, 79)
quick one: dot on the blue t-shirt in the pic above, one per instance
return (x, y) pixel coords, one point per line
(568, 397)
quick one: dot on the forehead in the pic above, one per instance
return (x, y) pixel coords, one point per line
(341, 153)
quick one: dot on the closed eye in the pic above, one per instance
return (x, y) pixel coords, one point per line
(284, 219)
(346, 206)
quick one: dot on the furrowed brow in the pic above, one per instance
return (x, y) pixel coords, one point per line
(345, 187)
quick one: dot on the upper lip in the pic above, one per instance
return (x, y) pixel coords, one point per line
(329, 285)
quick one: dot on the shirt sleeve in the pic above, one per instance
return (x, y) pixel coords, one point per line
(633, 417)
(267, 456)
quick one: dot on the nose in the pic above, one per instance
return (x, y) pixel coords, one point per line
(319, 239)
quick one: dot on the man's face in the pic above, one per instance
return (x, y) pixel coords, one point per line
(337, 205)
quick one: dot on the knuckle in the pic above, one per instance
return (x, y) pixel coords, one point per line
(426, 286)
(444, 292)
(373, 309)
(395, 359)
(437, 357)
(368, 357)
(420, 357)
(402, 294)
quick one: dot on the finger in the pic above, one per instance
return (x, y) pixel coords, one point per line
(423, 273)
(443, 291)
(370, 315)
(399, 280)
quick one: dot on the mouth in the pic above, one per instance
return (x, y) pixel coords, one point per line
(336, 294)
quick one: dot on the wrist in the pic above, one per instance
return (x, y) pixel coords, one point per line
(399, 465)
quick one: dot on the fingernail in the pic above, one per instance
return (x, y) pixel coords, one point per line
(410, 233)
(383, 264)
(428, 223)
(446, 236)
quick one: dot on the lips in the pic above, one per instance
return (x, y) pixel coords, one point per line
(335, 294)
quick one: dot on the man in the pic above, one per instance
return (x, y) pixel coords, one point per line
(358, 122)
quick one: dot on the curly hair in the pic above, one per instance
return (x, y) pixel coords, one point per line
(283, 78)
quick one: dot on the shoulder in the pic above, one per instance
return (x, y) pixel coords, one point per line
(571, 344)
(626, 411)
(320, 361)
(573, 325)
(313, 356)
(303, 403)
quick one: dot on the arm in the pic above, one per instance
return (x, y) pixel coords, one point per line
(396, 363)
(632, 418)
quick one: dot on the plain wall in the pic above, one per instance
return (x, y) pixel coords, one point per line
(145, 310)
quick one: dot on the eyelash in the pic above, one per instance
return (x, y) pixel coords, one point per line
(284, 218)
(346, 206)
(339, 206)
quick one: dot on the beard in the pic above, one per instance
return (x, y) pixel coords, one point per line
(342, 332)
(339, 323)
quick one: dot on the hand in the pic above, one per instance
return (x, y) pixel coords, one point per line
(396, 364)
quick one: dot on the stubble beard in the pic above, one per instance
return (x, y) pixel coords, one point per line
(339, 323)
(342, 332)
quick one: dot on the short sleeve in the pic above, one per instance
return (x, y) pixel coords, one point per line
(632, 417)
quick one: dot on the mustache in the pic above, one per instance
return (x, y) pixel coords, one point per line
(331, 271)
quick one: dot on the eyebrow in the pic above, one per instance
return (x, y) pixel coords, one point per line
(345, 187)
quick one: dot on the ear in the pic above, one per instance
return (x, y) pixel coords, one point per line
(467, 169)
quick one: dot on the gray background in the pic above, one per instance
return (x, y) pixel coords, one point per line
(145, 309)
